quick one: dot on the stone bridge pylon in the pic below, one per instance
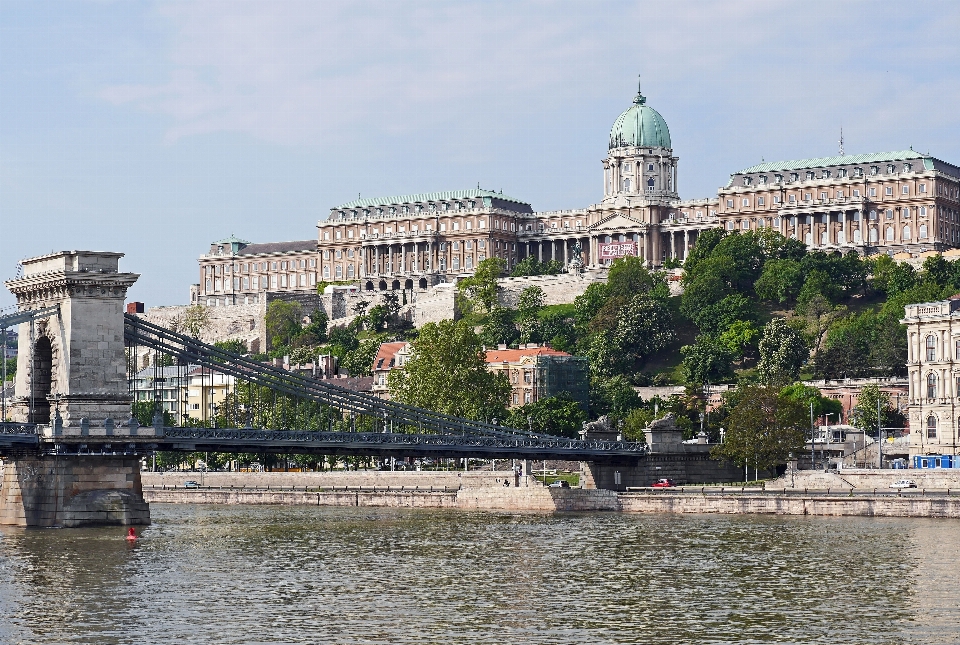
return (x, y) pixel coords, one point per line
(71, 382)
(72, 362)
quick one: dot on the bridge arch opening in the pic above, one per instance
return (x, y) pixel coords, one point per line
(42, 380)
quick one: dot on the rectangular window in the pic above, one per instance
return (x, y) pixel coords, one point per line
(873, 192)
(273, 282)
(856, 192)
(906, 190)
(729, 203)
(889, 190)
(283, 280)
(760, 201)
(922, 188)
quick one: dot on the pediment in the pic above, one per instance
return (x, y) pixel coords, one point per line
(616, 221)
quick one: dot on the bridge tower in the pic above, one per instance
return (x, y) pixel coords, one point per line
(72, 362)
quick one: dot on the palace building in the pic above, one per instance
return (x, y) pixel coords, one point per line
(885, 202)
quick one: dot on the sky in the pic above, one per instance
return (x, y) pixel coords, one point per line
(155, 128)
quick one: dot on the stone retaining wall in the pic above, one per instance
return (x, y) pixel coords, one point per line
(339, 478)
(537, 498)
(398, 499)
(866, 479)
(765, 504)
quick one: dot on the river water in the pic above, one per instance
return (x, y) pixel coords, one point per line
(247, 574)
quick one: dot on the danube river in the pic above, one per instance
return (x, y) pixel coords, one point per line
(244, 574)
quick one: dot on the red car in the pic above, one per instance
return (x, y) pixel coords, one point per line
(663, 483)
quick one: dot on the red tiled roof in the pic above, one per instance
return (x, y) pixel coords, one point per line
(385, 355)
(511, 355)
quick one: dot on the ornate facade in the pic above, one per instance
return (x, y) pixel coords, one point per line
(933, 368)
(877, 202)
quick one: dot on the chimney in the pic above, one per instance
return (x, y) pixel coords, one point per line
(502, 346)
(134, 307)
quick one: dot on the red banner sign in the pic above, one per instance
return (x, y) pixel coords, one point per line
(617, 250)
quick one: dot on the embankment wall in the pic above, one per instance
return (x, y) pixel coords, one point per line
(866, 479)
(791, 504)
(352, 478)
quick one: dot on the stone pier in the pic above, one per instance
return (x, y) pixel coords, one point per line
(71, 491)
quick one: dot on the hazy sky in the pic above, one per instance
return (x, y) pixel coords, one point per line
(156, 128)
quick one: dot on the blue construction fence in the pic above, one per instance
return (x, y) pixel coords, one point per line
(936, 461)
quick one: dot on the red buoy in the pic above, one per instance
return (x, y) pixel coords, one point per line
(132, 534)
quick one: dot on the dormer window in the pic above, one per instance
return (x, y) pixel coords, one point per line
(826, 174)
(907, 167)
(746, 181)
(762, 179)
(874, 170)
(794, 176)
(842, 172)
(778, 179)
(891, 169)
(858, 172)
(809, 175)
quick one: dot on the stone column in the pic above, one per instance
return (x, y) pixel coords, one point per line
(686, 244)
(566, 245)
(540, 251)
(78, 354)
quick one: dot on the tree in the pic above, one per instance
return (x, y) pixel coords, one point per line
(780, 281)
(558, 415)
(234, 346)
(643, 326)
(283, 322)
(499, 328)
(782, 353)
(718, 317)
(587, 304)
(613, 396)
(447, 372)
(807, 394)
(359, 361)
(706, 360)
(193, 322)
(528, 306)
(628, 276)
(764, 429)
(864, 413)
(480, 289)
(740, 339)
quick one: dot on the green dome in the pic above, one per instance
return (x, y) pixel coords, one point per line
(640, 126)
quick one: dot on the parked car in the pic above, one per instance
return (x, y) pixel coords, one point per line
(904, 483)
(191, 484)
(664, 483)
(560, 483)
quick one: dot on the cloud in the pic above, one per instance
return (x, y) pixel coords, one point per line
(361, 73)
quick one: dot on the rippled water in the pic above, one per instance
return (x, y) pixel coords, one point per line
(208, 574)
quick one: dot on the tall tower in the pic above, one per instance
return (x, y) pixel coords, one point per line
(640, 164)
(74, 361)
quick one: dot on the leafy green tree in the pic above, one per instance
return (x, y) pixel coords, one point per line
(480, 289)
(283, 322)
(530, 266)
(718, 317)
(782, 353)
(864, 414)
(589, 303)
(706, 360)
(193, 322)
(528, 306)
(740, 339)
(558, 415)
(638, 420)
(807, 394)
(780, 281)
(642, 327)
(499, 328)
(763, 429)
(447, 372)
(359, 361)
(557, 329)
(235, 346)
(628, 277)
(613, 396)
(11, 368)
(818, 283)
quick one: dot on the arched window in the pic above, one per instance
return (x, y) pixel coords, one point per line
(906, 232)
(931, 427)
(931, 347)
(931, 385)
(857, 237)
(873, 235)
(626, 184)
(889, 235)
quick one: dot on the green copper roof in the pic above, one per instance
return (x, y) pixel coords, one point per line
(232, 240)
(820, 162)
(640, 126)
(427, 197)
